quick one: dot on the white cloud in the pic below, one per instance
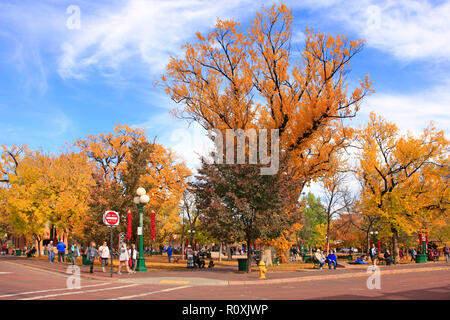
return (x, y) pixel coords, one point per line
(406, 29)
(412, 111)
(146, 31)
(189, 142)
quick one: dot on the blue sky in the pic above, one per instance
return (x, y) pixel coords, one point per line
(60, 84)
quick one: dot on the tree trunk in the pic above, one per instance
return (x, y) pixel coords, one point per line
(266, 254)
(395, 245)
(328, 235)
(220, 252)
(368, 243)
(249, 259)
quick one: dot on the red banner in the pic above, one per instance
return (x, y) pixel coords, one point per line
(129, 225)
(153, 216)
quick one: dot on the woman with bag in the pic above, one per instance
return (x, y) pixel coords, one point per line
(133, 257)
(91, 254)
(75, 253)
(123, 258)
(104, 255)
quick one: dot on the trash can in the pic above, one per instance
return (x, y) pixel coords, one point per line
(18, 253)
(242, 264)
(421, 258)
(86, 262)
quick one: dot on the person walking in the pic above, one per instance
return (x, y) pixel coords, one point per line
(133, 257)
(169, 253)
(123, 258)
(75, 253)
(413, 254)
(91, 255)
(388, 257)
(447, 253)
(104, 253)
(190, 257)
(373, 254)
(51, 252)
(320, 258)
(61, 247)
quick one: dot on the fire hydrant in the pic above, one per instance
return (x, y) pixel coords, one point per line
(262, 270)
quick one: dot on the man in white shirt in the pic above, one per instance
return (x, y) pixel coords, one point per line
(104, 255)
(320, 258)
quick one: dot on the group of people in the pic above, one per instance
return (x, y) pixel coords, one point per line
(331, 259)
(196, 259)
(127, 256)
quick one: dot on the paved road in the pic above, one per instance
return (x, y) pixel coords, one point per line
(430, 281)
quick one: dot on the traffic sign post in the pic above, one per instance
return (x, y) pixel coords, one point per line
(111, 219)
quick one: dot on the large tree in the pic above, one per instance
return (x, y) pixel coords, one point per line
(235, 79)
(404, 177)
(240, 202)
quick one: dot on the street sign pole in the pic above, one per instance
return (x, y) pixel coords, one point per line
(111, 219)
(111, 250)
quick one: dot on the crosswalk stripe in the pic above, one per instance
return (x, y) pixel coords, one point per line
(78, 292)
(48, 290)
(149, 293)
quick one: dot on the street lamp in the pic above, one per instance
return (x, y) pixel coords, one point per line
(191, 232)
(374, 236)
(141, 200)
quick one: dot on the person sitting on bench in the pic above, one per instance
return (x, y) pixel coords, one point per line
(198, 261)
(31, 252)
(320, 258)
(332, 259)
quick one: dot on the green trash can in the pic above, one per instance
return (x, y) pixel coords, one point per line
(86, 262)
(242, 264)
(421, 258)
(18, 253)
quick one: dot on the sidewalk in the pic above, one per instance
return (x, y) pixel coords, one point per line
(222, 275)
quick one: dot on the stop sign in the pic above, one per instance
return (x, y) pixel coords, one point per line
(111, 218)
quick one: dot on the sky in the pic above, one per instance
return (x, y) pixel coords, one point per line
(73, 68)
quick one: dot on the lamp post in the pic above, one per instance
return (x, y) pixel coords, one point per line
(191, 237)
(141, 200)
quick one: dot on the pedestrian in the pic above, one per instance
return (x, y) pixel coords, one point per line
(75, 253)
(61, 247)
(332, 260)
(320, 258)
(446, 253)
(91, 255)
(51, 253)
(388, 257)
(5, 248)
(190, 257)
(104, 254)
(123, 258)
(133, 257)
(169, 253)
(413, 254)
(373, 254)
